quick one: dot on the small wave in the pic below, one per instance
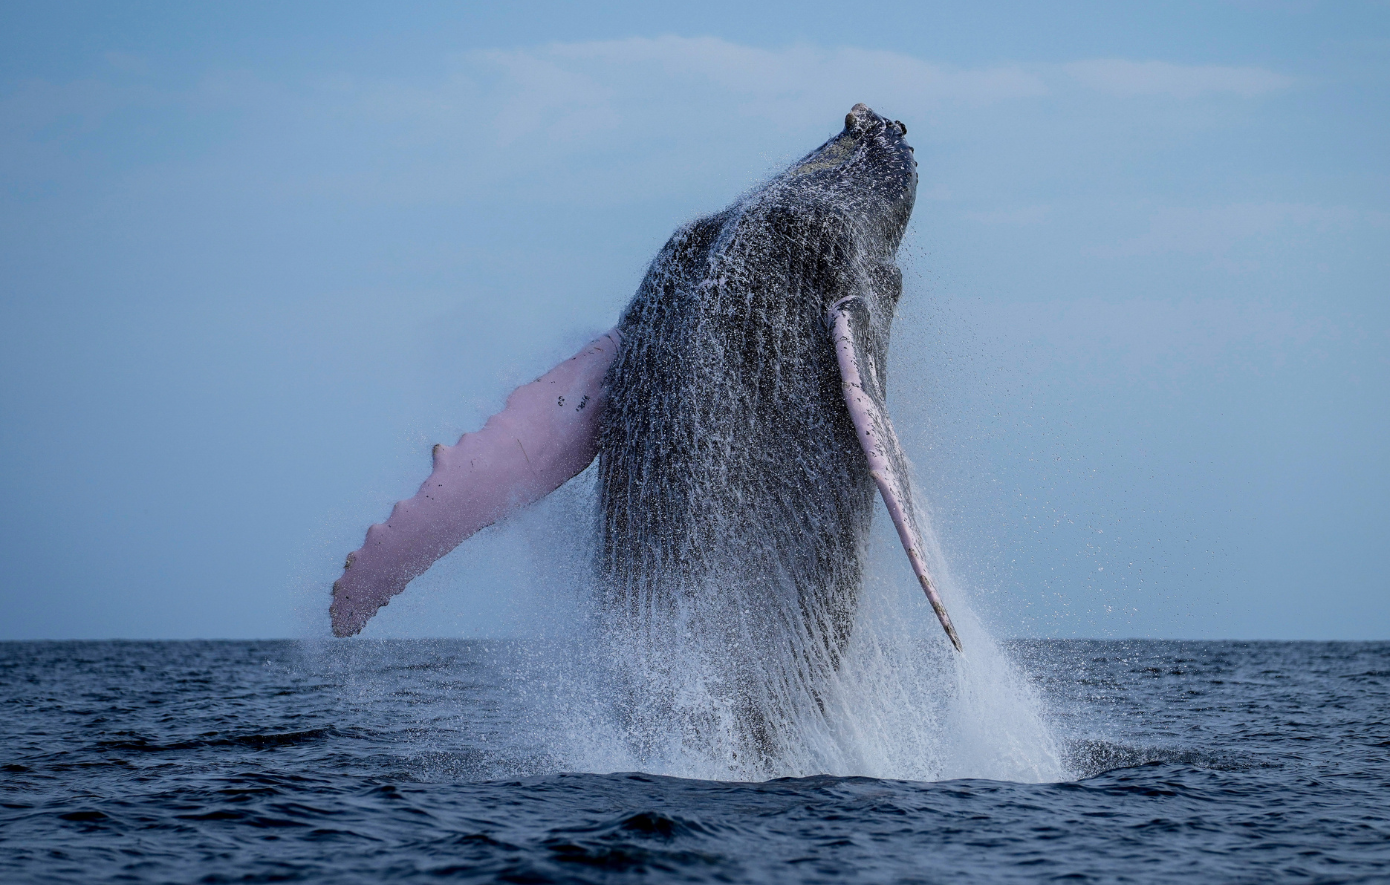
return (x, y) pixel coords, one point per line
(1091, 758)
(645, 841)
(254, 741)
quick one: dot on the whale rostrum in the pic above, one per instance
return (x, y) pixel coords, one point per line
(738, 413)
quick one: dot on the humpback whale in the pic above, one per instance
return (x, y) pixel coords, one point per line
(738, 415)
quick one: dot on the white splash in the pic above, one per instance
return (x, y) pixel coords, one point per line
(901, 704)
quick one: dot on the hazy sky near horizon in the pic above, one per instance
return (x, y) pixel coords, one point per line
(256, 258)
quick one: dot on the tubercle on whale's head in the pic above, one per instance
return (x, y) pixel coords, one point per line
(871, 163)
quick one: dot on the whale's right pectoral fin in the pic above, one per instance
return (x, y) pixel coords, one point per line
(546, 434)
(849, 323)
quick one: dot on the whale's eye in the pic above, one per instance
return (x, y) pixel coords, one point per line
(849, 121)
(902, 130)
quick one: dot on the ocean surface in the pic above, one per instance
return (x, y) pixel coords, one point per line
(437, 761)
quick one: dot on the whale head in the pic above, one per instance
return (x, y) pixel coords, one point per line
(867, 170)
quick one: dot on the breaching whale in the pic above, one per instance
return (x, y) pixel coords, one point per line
(738, 413)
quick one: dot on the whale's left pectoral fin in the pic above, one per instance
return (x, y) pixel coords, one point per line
(546, 434)
(849, 323)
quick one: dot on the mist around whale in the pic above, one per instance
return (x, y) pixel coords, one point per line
(738, 417)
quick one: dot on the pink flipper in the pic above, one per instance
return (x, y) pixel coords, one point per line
(545, 435)
(869, 412)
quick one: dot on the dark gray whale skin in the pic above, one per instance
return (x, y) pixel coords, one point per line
(728, 464)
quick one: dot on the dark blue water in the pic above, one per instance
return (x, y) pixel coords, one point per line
(278, 761)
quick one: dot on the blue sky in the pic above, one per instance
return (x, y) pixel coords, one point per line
(255, 260)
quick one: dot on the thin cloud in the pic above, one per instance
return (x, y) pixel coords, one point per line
(775, 78)
(1123, 77)
(1022, 215)
(1215, 230)
(603, 121)
(634, 118)
(1162, 341)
